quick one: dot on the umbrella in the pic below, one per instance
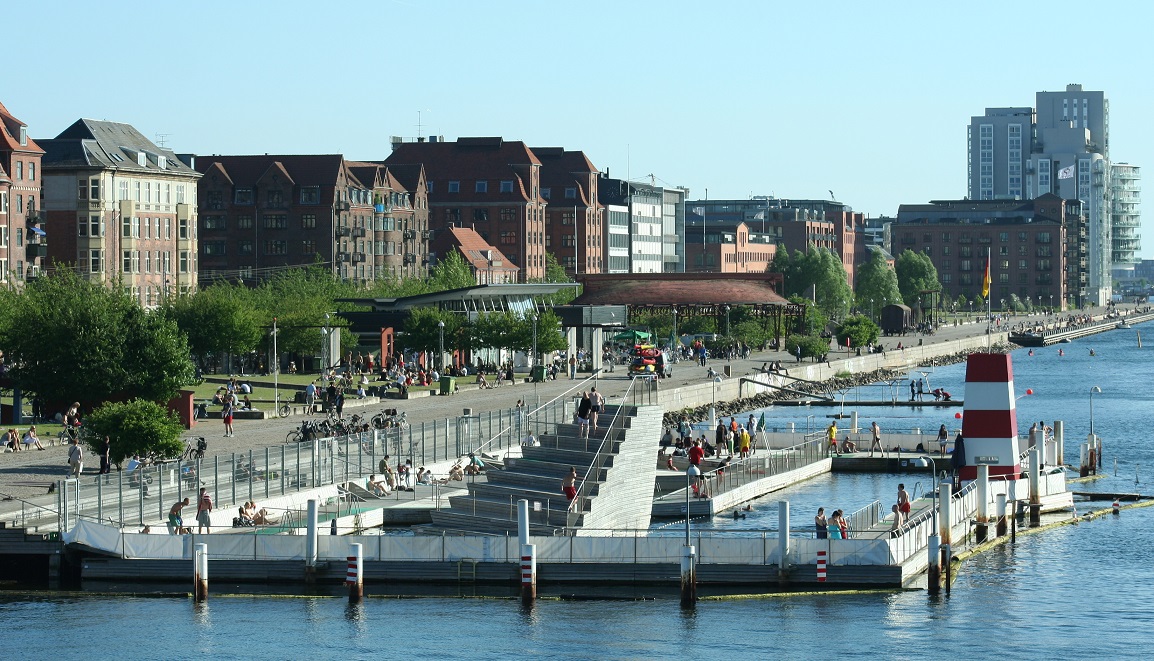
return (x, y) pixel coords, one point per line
(632, 336)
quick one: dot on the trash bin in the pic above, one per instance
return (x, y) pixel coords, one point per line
(448, 385)
(727, 370)
(538, 374)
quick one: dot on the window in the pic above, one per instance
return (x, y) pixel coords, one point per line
(81, 227)
(571, 193)
(546, 193)
(3, 202)
(243, 223)
(31, 171)
(244, 247)
(180, 193)
(148, 262)
(1003, 250)
(215, 223)
(184, 265)
(309, 221)
(480, 215)
(568, 240)
(507, 186)
(1022, 264)
(182, 230)
(310, 195)
(95, 226)
(136, 191)
(453, 215)
(1043, 237)
(1003, 278)
(308, 247)
(276, 247)
(928, 251)
(508, 238)
(1004, 264)
(19, 237)
(275, 221)
(243, 196)
(275, 199)
(82, 190)
(1003, 237)
(482, 187)
(429, 186)
(454, 187)
(1021, 236)
(945, 251)
(966, 265)
(927, 237)
(567, 218)
(95, 257)
(213, 247)
(19, 169)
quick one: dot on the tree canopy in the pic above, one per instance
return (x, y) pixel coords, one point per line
(916, 273)
(815, 271)
(860, 330)
(134, 427)
(876, 284)
(68, 339)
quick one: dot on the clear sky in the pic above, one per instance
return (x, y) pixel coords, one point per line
(869, 100)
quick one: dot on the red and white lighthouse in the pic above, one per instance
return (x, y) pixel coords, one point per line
(990, 421)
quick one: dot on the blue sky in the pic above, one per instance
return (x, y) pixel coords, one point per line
(870, 100)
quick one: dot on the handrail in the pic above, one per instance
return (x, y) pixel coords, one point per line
(528, 415)
(577, 505)
(800, 448)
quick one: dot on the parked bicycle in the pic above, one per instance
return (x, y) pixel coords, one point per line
(195, 451)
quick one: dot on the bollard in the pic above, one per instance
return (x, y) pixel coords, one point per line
(1098, 444)
(1059, 442)
(354, 578)
(1000, 528)
(853, 425)
(934, 571)
(821, 566)
(200, 573)
(1083, 470)
(311, 539)
(783, 536)
(945, 489)
(1035, 488)
(528, 575)
(1117, 507)
(688, 577)
(947, 557)
(983, 514)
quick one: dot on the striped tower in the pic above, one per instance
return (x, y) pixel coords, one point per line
(989, 421)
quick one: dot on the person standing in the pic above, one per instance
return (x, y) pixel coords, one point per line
(921, 389)
(75, 457)
(876, 438)
(226, 415)
(598, 403)
(203, 510)
(175, 522)
(339, 404)
(719, 438)
(569, 485)
(904, 506)
(913, 390)
(310, 397)
(820, 525)
(584, 410)
(105, 451)
(943, 438)
(831, 437)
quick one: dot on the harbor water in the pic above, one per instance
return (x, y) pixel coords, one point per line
(1073, 592)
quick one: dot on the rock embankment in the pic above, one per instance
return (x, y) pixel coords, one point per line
(828, 388)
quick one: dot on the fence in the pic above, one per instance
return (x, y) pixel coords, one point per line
(766, 463)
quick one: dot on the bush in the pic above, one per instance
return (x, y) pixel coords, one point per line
(812, 346)
(134, 427)
(860, 330)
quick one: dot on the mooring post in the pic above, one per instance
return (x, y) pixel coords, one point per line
(853, 425)
(355, 578)
(200, 572)
(947, 557)
(528, 556)
(1091, 455)
(934, 572)
(783, 537)
(1035, 488)
(983, 503)
(1059, 442)
(688, 577)
(1083, 469)
(311, 539)
(945, 500)
(1098, 444)
(1000, 529)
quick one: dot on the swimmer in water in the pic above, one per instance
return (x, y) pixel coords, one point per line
(1092, 353)
(1031, 352)
(1061, 352)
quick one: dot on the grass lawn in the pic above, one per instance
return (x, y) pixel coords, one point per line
(263, 385)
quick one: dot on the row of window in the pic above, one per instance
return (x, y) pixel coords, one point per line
(308, 195)
(980, 265)
(145, 192)
(19, 200)
(92, 261)
(1003, 251)
(307, 247)
(18, 169)
(480, 186)
(132, 262)
(984, 237)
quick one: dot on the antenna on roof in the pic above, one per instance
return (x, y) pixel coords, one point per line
(162, 140)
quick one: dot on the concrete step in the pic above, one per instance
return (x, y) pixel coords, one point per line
(552, 468)
(525, 480)
(451, 520)
(553, 512)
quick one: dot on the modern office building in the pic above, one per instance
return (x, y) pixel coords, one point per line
(645, 226)
(121, 209)
(1126, 221)
(23, 244)
(1060, 146)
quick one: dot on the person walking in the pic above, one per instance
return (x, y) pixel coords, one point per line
(598, 403)
(572, 368)
(105, 451)
(831, 438)
(226, 415)
(203, 511)
(584, 410)
(310, 397)
(75, 457)
(569, 485)
(876, 438)
(904, 506)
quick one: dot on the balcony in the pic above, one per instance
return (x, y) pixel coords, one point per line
(35, 217)
(359, 232)
(344, 257)
(341, 206)
(344, 231)
(358, 257)
(410, 258)
(34, 250)
(409, 235)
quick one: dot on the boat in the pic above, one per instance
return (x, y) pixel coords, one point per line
(1122, 325)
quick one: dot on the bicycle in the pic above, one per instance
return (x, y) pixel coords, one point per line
(284, 410)
(195, 451)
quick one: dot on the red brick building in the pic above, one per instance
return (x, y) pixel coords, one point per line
(574, 225)
(730, 247)
(490, 267)
(23, 245)
(491, 185)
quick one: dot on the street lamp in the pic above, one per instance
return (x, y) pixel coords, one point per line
(676, 348)
(971, 307)
(871, 309)
(728, 336)
(441, 346)
(713, 406)
(1003, 306)
(533, 367)
(1093, 390)
(1051, 304)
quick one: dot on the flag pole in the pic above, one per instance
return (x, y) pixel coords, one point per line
(989, 307)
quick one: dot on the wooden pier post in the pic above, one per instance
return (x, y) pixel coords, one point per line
(1083, 469)
(528, 556)
(934, 572)
(311, 541)
(783, 538)
(1000, 529)
(688, 577)
(1035, 487)
(355, 577)
(1060, 442)
(945, 501)
(983, 514)
(200, 573)
(947, 565)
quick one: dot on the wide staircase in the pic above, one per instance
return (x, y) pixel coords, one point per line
(615, 470)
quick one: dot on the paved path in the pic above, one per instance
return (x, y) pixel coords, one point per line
(25, 474)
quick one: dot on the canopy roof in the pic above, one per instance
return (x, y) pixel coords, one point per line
(682, 289)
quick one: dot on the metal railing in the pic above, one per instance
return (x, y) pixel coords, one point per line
(577, 506)
(765, 463)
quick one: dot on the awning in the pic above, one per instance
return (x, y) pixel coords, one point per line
(38, 230)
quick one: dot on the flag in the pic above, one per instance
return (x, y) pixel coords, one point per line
(760, 215)
(1066, 172)
(986, 281)
(700, 211)
(761, 423)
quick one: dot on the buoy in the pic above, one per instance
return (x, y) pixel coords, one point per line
(1117, 507)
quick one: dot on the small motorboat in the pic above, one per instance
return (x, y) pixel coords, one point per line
(1122, 325)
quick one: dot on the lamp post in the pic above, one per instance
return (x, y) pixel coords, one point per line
(533, 366)
(971, 307)
(676, 348)
(728, 336)
(1051, 304)
(441, 346)
(1003, 308)
(275, 371)
(1093, 390)
(713, 406)
(872, 310)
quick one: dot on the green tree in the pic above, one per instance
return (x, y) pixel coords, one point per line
(452, 272)
(70, 339)
(137, 426)
(300, 299)
(817, 270)
(423, 332)
(218, 319)
(961, 303)
(916, 273)
(876, 284)
(555, 273)
(860, 330)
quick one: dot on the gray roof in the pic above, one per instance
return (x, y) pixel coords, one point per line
(89, 143)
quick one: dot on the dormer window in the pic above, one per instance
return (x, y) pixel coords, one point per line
(570, 193)
(141, 159)
(454, 187)
(23, 135)
(162, 162)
